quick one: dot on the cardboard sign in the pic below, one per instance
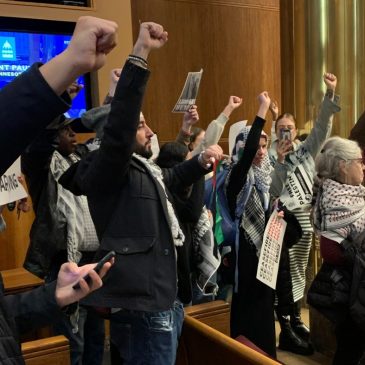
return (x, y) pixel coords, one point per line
(10, 187)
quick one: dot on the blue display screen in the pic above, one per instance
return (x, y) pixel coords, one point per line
(19, 50)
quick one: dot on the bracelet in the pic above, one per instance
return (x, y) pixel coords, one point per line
(205, 165)
(137, 63)
(138, 59)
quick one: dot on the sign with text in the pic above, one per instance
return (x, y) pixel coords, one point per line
(189, 92)
(298, 189)
(10, 187)
(267, 270)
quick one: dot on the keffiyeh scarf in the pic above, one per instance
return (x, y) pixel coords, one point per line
(340, 208)
(254, 198)
(177, 233)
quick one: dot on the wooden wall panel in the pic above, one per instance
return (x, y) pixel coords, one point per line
(237, 43)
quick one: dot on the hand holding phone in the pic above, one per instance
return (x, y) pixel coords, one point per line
(285, 134)
(97, 268)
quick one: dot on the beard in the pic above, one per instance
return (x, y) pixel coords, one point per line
(143, 150)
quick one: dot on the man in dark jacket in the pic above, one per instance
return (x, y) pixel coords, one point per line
(129, 202)
(28, 104)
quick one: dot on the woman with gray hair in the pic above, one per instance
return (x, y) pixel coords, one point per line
(339, 218)
(340, 206)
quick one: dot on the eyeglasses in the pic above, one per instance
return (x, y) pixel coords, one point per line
(358, 160)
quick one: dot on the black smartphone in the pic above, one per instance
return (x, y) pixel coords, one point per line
(97, 268)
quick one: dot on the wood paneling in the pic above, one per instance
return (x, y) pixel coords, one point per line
(237, 43)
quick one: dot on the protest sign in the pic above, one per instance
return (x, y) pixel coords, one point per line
(155, 146)
(10, 187)
(298, 189)
(189, 92)
(267, 270)
(234, 130)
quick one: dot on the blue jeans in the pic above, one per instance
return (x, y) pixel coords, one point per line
(87, 345)
(147, 337)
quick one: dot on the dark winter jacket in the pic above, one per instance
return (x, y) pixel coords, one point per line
(129, 206)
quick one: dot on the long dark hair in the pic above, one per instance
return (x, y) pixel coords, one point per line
(171, 153)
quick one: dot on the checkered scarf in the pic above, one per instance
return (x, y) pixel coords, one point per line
(340, 208)
(74, 210)
(255, 193)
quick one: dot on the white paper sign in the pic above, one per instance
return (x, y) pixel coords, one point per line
(10, 187)
(155, 146)
(234, 130)
(298, 189)
(267, 270)
(189, 92)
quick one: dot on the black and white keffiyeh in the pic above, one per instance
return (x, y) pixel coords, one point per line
(340, 208)
(254, 197)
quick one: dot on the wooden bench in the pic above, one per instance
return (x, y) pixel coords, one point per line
(215, 314)
(19, 280)
(52, 350)
(201, 344)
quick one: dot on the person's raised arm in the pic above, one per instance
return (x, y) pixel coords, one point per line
(36, 97)
(92, 40)
(216, 127)
(323, 125)
(240, 169)
(114, 78)
(107, 167)
(274, 109)
(190, 118)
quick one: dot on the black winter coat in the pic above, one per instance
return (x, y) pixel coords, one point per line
(129, 207)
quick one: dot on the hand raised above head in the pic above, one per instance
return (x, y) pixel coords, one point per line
(234, 101)
(264, 99)
(92, 40)
(274, 108)
(330, 80)
(114, 78)
(191, 116)
(151, 36)
(74, 89)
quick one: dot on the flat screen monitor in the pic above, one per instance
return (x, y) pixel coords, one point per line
(25, 41)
